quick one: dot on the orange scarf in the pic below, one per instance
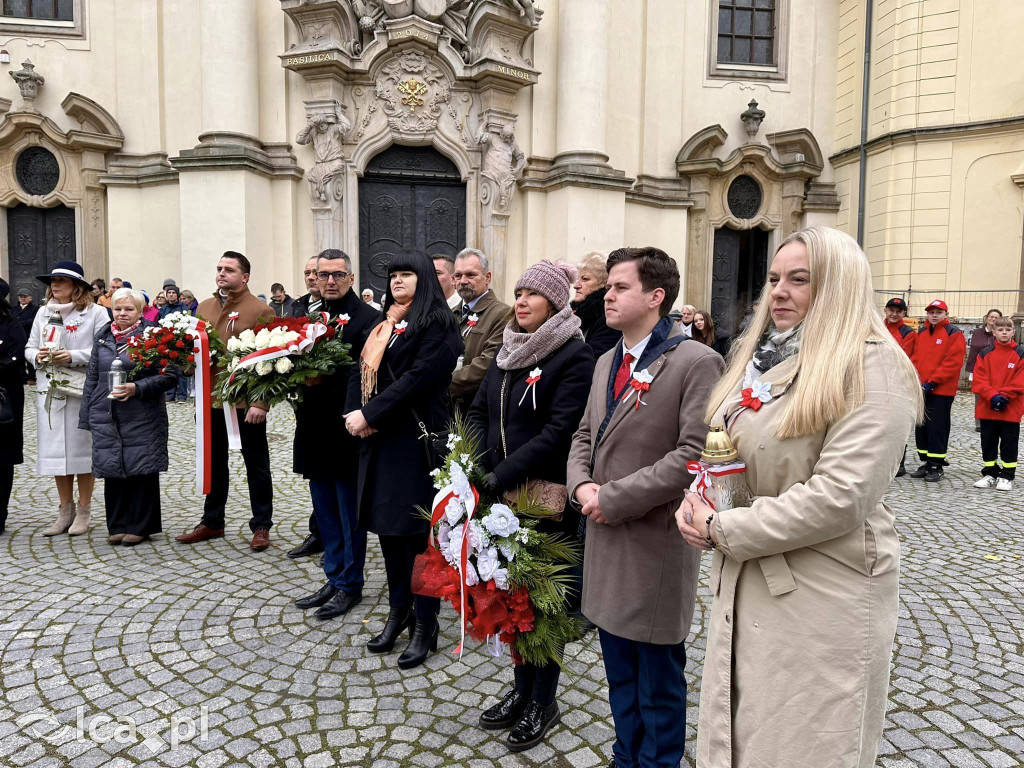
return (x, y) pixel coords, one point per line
(375, 346)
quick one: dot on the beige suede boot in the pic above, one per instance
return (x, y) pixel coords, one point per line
(64, 517)
(81, 524)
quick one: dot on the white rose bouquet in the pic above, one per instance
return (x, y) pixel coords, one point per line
(508, 580)
(274, 361)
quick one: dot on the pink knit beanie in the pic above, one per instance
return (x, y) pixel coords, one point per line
(552, 280)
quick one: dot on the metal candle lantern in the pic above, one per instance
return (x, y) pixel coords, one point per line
(116, 376)
(721, 461)
(53, 333)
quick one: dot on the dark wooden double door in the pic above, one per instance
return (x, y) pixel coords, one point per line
(37, 238)
(738, 274)
(409, 198)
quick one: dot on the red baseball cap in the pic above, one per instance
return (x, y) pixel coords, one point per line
(938, 304)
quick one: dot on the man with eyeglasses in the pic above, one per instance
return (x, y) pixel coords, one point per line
(309, 302)
(324, 451)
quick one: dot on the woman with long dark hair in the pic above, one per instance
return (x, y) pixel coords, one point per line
(704, 328)
(12, 368)
(405, 370)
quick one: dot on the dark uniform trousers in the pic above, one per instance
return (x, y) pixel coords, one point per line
(999, 439)
(932, 436)
(256, 454)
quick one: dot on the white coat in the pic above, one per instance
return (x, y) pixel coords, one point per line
(63, 448)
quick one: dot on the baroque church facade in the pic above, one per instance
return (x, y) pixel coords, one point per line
(145, 138)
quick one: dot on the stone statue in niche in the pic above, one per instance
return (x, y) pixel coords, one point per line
(528, 9)
(503, 162)
(326, 132)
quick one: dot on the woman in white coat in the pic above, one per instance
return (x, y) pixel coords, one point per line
(64, 450)
(818, 400)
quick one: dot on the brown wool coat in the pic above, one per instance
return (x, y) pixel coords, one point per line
(805, 584)
(639, 575)
(482, 342)
(251, 312)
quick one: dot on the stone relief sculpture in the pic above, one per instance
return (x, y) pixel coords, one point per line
(29, 82)
(502, 162)
(326, 132)
(412, 91)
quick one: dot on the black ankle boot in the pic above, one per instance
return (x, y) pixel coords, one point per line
(505, 713)
(398, 620)
(424, 640)
(536, 721)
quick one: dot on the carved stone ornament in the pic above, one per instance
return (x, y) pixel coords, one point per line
(412, 91)
(29, 81)
(503, 163)
(326, 131)
(752, 118)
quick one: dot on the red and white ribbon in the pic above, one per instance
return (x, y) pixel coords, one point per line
(471, 322)
(705, 471)
(204, 401)
(640, 383)
(531, 385)
(308, 336)
(441, 500)
(232, 316)
(399, 330)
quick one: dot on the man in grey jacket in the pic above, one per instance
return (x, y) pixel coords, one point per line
(627, 468)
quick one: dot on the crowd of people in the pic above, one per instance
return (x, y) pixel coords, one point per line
(818, 394)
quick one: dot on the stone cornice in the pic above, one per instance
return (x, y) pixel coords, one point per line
(909, 135)
(131, 170)
(222, 150)
(660, 192)
(573, 169)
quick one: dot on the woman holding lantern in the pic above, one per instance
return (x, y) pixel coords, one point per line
(126, 415)
(59, 347)
(805, 577)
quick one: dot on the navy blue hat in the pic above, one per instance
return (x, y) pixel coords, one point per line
(66, 268)
(125, 284)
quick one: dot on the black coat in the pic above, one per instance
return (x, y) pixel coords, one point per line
(25, 315)
(128, 438)
(596, 332)
(300, 307)
(12, 379)
(537, 440)
(393, 473)
(323, 448)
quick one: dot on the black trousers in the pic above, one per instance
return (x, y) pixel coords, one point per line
(6, 484)
(538, 683)
(932, 436)
(314, 527)
(256, 454)
(399, 555)
(133, 504)
(999, 438)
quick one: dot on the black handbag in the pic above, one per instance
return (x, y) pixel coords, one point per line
(435, 444)
(6, 407)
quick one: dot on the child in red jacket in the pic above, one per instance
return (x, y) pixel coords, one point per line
(895, 311)
(999, 384)
(938, 356)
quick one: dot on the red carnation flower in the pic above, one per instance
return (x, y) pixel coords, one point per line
(190, 359)
(179, 344)
(150, 343)
(164, 363)
(174, 354)
(162, 349)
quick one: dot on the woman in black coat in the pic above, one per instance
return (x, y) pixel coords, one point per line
(588, 306)
(129, 432)
(527, 431)
(406, 368)
(12, 369)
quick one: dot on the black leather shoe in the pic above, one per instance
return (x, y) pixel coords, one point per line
(902, 470)
(340, 604)
(505, 713)
(318, 598)
(934, 475)
(536, 721)
(398, 620)
(921, 471)
(424, 640)
(312, 545)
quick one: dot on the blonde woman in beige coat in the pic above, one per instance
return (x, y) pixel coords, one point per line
(805, 580)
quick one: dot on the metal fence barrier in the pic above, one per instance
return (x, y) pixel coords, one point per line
(965, 307)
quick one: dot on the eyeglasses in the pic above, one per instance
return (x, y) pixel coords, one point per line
(338, 276)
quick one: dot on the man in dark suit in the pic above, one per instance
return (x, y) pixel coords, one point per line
(25, 312)
(482, 320)
(326, 451)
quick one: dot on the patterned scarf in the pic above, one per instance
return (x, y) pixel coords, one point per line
(120, 335)
(774, 347)
(375, 346)
(521, 350)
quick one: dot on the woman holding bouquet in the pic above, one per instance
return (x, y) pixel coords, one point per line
(528, 407)
(406, 367)
(64, 449)
(818, 400)
(129, 430)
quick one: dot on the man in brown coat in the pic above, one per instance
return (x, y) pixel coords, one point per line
(482, 321)
(627, 468)
(231, 310)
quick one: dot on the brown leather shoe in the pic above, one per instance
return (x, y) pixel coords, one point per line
(260, 539)
(200, 533)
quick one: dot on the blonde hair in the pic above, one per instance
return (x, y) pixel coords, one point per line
(595, 263)
(128, 293)
(81, 296)
(841, 318)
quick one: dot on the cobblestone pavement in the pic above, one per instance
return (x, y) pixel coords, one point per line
(206, 637)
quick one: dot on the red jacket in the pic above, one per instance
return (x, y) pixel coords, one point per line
(999, 370)
(939, 356)
(904, 335)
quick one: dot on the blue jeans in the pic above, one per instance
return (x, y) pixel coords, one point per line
(334, 503)
(647, 693)
(182, 390)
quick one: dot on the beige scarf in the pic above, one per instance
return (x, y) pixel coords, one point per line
(375, 346)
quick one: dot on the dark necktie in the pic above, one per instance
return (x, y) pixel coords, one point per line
(622, 375)
(465, 311)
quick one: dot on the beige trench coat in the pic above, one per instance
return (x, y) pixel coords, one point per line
(805, 584)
